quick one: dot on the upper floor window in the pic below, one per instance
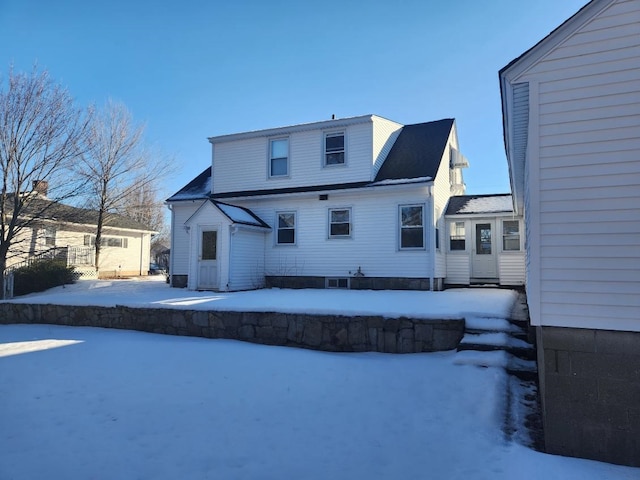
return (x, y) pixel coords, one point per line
(511, 235)
(286, 231)
(339, 222)
(334, 148)
(457, 236)
(279, 157)
(411, 226)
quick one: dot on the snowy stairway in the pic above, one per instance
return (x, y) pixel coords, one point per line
(497, 342)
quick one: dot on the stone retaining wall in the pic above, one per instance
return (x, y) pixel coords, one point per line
(319, 332)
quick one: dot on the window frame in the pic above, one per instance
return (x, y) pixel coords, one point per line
(422, 226)
(330, 223)
(90, 241)
(271, 158)
(337, 281)
(324, 148)
(452, 229)
(511, 236)
(294, 228)
(50, 236)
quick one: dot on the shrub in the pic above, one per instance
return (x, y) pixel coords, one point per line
(42, 275)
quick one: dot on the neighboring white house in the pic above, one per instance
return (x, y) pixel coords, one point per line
(344, 203)
(483, 241)
(571, 109)
(55, 230)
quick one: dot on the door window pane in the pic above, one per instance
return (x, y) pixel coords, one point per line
(209, 240)
(483, 239)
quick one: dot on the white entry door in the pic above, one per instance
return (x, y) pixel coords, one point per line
(484, 261)
(208, 259)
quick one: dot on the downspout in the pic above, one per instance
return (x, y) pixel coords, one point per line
(432, 246)
(173, 231)
(142, 252)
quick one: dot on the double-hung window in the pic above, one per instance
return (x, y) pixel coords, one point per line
(457, 236)
(334, 148)
(339, 222)
(286, 231)
(50, 236)
(279, 157)
(511, 235)
(411, 226)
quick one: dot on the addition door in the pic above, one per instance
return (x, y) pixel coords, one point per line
(484, 257)
(208, 259)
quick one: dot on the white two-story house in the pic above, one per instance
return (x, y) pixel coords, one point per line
(345, 203)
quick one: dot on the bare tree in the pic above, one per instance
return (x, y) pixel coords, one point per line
(145, 205)
(116, 164)
(41, 132)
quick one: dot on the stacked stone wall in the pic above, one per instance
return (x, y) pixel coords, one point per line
(335, 333)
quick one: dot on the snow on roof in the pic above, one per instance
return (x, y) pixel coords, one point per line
(240, 215)
(400, 181)
(469, 204)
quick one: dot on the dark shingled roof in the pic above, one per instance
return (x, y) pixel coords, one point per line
(417, 151)
(470, 204)
(198, 188)
(58, 212)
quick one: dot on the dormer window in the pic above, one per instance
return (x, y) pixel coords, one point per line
(334, 148)
(279, 157)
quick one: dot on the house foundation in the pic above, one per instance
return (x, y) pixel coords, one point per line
(590, 391)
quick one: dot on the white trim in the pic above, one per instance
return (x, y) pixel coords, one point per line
(334, 133)
(277, 228)
(425, 238)
(532, 184)
(339, 237)
(303, 127)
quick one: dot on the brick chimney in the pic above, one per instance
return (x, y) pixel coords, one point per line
(41, 187)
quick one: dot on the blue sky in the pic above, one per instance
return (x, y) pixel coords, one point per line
(194, 69)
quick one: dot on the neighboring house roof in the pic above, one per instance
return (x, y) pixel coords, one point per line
(46, 209)
(479, 204)
(417, 151)
(414, 157)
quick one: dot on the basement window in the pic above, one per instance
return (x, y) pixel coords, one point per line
(338, 282)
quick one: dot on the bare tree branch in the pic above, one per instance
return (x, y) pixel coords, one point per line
(116, 166)
(41, 133)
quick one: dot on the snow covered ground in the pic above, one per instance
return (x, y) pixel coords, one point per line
(153, 292)
(89, 403)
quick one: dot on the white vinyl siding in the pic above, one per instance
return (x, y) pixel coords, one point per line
(442, 193)
(385, 133)
(242, 165)
(246, 266)
(180, 237)
(373, 247)
(458, 269)
(585, 172)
